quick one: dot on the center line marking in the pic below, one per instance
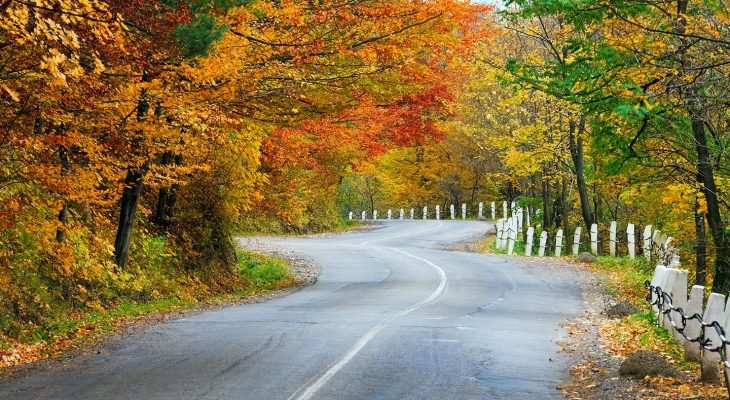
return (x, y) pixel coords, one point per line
(405, 234)
(308, 390)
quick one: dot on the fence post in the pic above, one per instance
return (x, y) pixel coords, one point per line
(401, 214)
(463, 210)
(481, 210)
(543, 242)
(504, 209)
(363, 215)
(695, 305)
(576, 240)
(452, 210)
(438, 212)
(631, 240)
(350, 216)
(375, 214)
(715, 311)
(425, 212)
(647, 242)
(413, 214)
(678, 291)
(594, 239)
(500, 232)
(528, 244)
(558, 242)
(494, 211)
(612, 239)
(390, 213)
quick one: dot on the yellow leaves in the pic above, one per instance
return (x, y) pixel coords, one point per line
(13, 94)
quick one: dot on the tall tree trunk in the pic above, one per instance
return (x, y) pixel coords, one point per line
(720, 237)
(132, 189)
(700, 245)
(63, 214)
(564, 204)
(546, 221)
(167, 197)
(575, 143)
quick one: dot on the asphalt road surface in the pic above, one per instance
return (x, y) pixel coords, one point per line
(394, 315)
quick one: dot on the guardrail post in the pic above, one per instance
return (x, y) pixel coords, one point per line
(463, 210)
(715, 311)
(647, 242)
(576, 240)
(631, 240)
(543, 243)
(528, 243)
(612, 239)
(594, 239)
(558, 242)
(695, 304)
(481, 209)
(494, 211)
(425, 212)
(438, 212)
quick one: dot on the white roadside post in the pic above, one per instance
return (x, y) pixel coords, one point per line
(528, 244)
(500, 233)
(647, 242)
(504, 209)
(413, 214)
(612, 239)
(678, 291)
(511, 235)
(558, 242)
(438, 212)
(576, 240)
(463, 210)
(375, 214)
(481, 210)
(631, 240)
(364, 216)
(425, 212)
(401, 213)
(594, 239)
(543, 243)
(715, 311)
(527, 216)
(655, 237)
(390, 214)
(494, 211)
(453, 211)
(350, 216)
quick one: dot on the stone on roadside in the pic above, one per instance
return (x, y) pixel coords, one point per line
(647, 363)
(621, 309)
(585, 258)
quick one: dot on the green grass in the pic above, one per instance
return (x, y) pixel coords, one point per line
(263, 271)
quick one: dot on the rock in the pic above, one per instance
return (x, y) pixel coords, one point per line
(647, 363)
(621, 309)
(585, 258)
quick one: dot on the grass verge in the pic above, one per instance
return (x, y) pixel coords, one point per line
(259, 274)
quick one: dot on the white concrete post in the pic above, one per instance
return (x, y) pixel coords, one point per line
(594, 239)
(527, 216)
(512, 236)
(656, 279)
(401, 214)
(715, 311)
(678, 291)
(364, 215)
(451, 211)
(576, 240)
(438, 212)
(390, 213)
(558, 242)
(612, 239)
(494, 211)
(543, 243)
(655, 237)
(413, 214)
(631, 240)
(481, 209)
(375, 214)
(504, 209)
(528, 244)
(647, 242)
(463, 210)
(695, 305)
(425, 212)
(500, 228)
(350, 216)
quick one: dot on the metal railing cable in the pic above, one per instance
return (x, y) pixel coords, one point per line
(663, 301)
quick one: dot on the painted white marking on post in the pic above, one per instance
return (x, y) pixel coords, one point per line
(313, 386)
(594, 239)
(543, 243)
(528, 244)
(576, 240)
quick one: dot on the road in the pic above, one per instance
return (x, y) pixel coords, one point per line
(394, 315)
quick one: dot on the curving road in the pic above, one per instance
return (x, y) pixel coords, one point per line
(394, 315)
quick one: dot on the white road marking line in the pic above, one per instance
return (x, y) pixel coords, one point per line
(309, 389)
(404, 234)
(441, 340)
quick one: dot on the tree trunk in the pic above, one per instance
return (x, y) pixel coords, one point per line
(720, 237)
(700, 245)
(546, 222)
(167, 196)
(63, 214)
(575, 143)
